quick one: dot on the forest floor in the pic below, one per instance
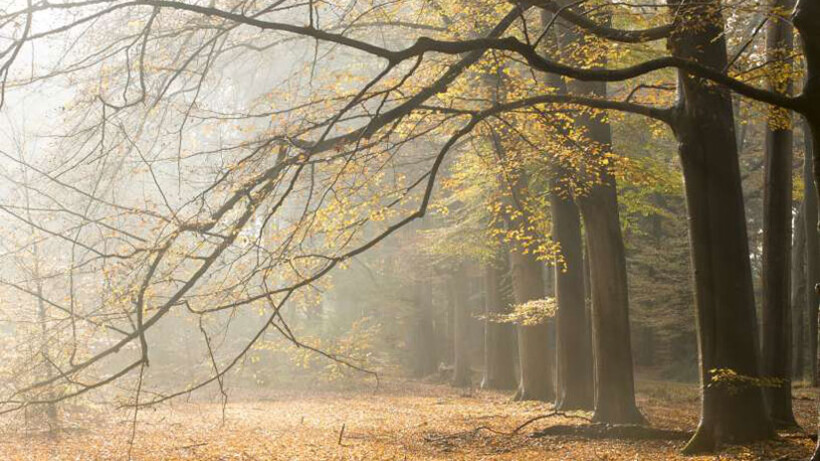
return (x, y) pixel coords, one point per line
(400, 421)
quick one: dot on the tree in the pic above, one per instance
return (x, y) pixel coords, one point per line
(574, 348)
(704, 127)
(462, 373)
(499, 338)
(611, 337)
(798, 304)
(423, 337)
(810, 216)
(777, 230)
(534, 358)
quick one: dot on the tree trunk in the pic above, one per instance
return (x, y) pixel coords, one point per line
(423, 337)
(777, 230)
(574, 348)
(527, 272)
(449, 327)
(499, 338)
(614, 385)
(812, 257)
(611, 339)
(535, 377)
(798, 295)
(724, 297)
(806, 20)
(461, 329)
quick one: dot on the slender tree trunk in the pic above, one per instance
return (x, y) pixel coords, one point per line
(574, 347)
(587, 281)
(777, 230)
(461, 331)
(535, 377)
(423, 337)
(724, 297)
(798, 295)
(499, 338)
(449, 327)
(42, 317)
(534, 353)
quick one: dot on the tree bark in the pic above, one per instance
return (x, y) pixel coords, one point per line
(611, 338)
(499, 338)
(806, 20)
(798, 295)
(574, 348)
(812, 257)
(777, 221)
(724, 297)
(812, 254)
(535, 377)
(461, 332)
(534, 354)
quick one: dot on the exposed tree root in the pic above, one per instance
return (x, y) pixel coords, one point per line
(589, 431)
(616, 431)
(549, 415)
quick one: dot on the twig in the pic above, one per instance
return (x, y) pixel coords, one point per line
(193, 445)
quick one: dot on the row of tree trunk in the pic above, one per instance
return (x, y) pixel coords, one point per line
(704, 126)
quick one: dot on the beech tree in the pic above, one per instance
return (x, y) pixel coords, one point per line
(499, 338)
(574, 349)
(777, 232)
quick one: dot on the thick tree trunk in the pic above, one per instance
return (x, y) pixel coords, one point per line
(423, 337)
(777, 230)
(806, 19)
(810, 216)
(611, 338)
(574, 347)
(499, 338)
(812, 247)
(798, 295)
(614, 381)
(724, 297)
(461, 331)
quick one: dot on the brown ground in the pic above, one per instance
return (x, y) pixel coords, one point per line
(402, 421)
